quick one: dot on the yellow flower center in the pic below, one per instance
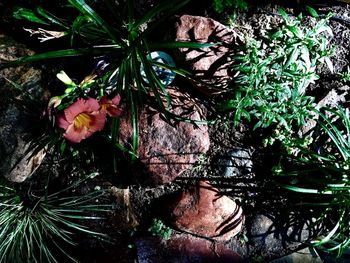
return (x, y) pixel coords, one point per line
(83, 120)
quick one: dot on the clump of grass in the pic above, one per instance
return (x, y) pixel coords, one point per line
(272, 75)
(39, 227)
(319, 174)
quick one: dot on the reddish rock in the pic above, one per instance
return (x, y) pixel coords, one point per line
(205, 212)
(185, 249)
(168, 149)
(210, 64)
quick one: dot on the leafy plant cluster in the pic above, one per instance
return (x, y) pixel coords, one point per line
(272, 75)
(319, 174)
(123, 46)
(159, 229)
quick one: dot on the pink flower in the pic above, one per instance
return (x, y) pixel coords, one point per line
(111, 106)
(82, 119)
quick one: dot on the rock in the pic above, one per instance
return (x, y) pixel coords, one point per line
(211, 64)
(236, 162)
(17, 160)
(183, 249)
(301, 256)
(167, 149)
(203, 211)
(272, 237)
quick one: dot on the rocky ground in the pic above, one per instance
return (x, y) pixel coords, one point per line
(202, 181)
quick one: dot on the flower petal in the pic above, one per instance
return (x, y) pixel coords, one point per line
(62, 122)
(114, 111)
(80, 106)
(99, 121)
(76, 135)
(116, 100)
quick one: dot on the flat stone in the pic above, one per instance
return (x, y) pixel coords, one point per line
(185, 249)
(167, 149)
(205, 212)
(211, 64)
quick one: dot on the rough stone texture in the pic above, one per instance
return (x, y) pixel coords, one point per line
(183, 249)
(203, 211)
(16, 160)
(168, 149)
(301, 256)
(272, 238)
(236, 163)
(211, 64)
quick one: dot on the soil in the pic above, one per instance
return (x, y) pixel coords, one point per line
(262, 206)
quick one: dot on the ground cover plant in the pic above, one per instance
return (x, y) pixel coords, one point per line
(272, 74)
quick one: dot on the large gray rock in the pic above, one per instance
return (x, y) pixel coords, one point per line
(167, 149)
(17, 160)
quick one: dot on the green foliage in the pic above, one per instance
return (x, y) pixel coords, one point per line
(124, 42)
(232, 5)
(345, 76)
(38, 227)
(319, 173)
(273, 74)
(159, 229)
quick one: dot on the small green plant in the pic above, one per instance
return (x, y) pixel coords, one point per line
(230, 6)
(273, 74)
(345, 76)
(319, 174)
(39, 227)
(159, 229)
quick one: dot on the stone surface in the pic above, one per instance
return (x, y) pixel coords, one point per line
(301, 256)
(183, 249)
(210, 64)
(167, 149)
(17, 162)
(273, 238)
(236, 163)
(203, 211)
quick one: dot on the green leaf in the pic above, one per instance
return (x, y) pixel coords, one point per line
(170, 6)
(84, 8)
(27, 14)
(97, 50)
(283, 14)
(312, 11)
